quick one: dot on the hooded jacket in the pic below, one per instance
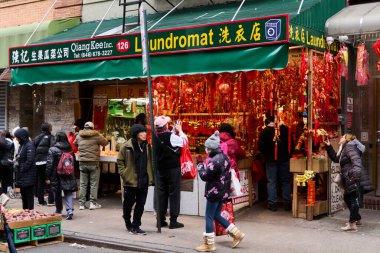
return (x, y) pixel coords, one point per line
(217, 176)
(7, 150)
(59, 182)
(42, 144)
(350, 162)
(25, 169)
(127, 167)
(88, 142)
(235, 152)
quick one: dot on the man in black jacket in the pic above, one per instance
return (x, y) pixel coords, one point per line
(169, 169)
(25, 168)
(277, 155)
(42, 144)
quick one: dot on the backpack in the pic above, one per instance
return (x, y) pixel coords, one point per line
(66, 164)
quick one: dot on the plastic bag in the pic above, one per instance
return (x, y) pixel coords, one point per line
(227, 212)
(187, 164)
(236, 189)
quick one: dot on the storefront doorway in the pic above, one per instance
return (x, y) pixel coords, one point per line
(376, 156)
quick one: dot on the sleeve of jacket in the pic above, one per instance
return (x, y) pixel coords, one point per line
(210, 171)
(121, 160)
(30, 156)
(332, 154)
(76, 141)
(49, 164)
(356, 161)
(102, 141)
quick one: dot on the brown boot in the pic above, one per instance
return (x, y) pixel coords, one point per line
(236, 234)
(208, 243)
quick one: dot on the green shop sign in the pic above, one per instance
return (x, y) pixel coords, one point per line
(217, 36)
(307, 37)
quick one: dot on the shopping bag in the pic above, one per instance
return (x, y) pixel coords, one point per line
(227, 212)
(236, 189)
(187, 165)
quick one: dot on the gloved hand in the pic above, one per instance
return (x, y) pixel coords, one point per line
(199, 159)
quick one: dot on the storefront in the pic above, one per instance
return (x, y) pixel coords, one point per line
(357, 27)
(207, 70)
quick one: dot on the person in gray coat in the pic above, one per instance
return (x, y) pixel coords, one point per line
(349, 158)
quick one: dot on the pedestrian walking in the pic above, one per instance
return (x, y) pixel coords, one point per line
(60, 158)
(168, 150)
(217, 176)
(25, 168)
(136, 171)
(349, 158)
(88, 142)
(42, 143)
(277, 156)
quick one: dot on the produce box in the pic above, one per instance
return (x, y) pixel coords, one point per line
(38, 232)
(298, 165)
(31, 223)
(320, 165)
(54, 229)
(21, 235)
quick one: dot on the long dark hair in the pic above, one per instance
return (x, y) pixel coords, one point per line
(227, 128)
(61, 137)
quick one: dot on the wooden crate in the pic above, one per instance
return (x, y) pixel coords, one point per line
(298, 165)
(31, 244)
(320, 165)
(321, 207)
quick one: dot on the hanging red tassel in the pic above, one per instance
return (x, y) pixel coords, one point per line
(275, 151)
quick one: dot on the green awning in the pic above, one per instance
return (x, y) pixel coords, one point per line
(18, 35)
(229, 60)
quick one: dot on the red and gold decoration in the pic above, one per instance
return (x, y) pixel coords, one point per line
(376, 47)
(204, 101)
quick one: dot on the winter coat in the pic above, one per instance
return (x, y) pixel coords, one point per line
(25, 168)
(234, 151)
(59, 182)
(42, 144)
(127, 168)
(88, 142)
(217, 176)
(350, 163)
(7, 150)
(267, 144)
(71, 137)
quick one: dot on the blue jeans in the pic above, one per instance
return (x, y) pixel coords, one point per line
(280, 171)
(213, 210)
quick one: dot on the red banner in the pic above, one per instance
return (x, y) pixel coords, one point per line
(310, 193)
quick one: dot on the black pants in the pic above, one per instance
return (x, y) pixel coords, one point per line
(41, 186)
(27, 196)
(352, 202)
(134, 195)
(169, 186)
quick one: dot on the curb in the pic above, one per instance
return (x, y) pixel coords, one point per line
(113, 245)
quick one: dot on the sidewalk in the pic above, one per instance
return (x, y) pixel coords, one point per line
(265, 231)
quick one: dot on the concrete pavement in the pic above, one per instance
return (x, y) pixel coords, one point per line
(265, 231)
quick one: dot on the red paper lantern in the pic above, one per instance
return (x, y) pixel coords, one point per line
(224, 88)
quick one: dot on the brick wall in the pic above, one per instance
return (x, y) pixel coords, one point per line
(59, 111)
(32, 11)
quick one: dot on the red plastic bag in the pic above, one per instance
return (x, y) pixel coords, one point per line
(227, 213)
(187, 164)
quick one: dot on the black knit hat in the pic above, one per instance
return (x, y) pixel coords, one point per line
(136, 129)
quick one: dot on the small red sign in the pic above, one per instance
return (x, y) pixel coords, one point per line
(122, 46)
(311, 193)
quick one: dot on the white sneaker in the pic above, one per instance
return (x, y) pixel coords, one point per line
(4, 199)
(81, 207)
(95, 206)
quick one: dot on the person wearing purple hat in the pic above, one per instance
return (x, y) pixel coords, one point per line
(168, 151)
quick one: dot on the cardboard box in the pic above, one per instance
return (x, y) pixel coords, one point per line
(21, 235)
(53, 229)
(38, 232)
(298, 165)
(31, 223)
(320, 165)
